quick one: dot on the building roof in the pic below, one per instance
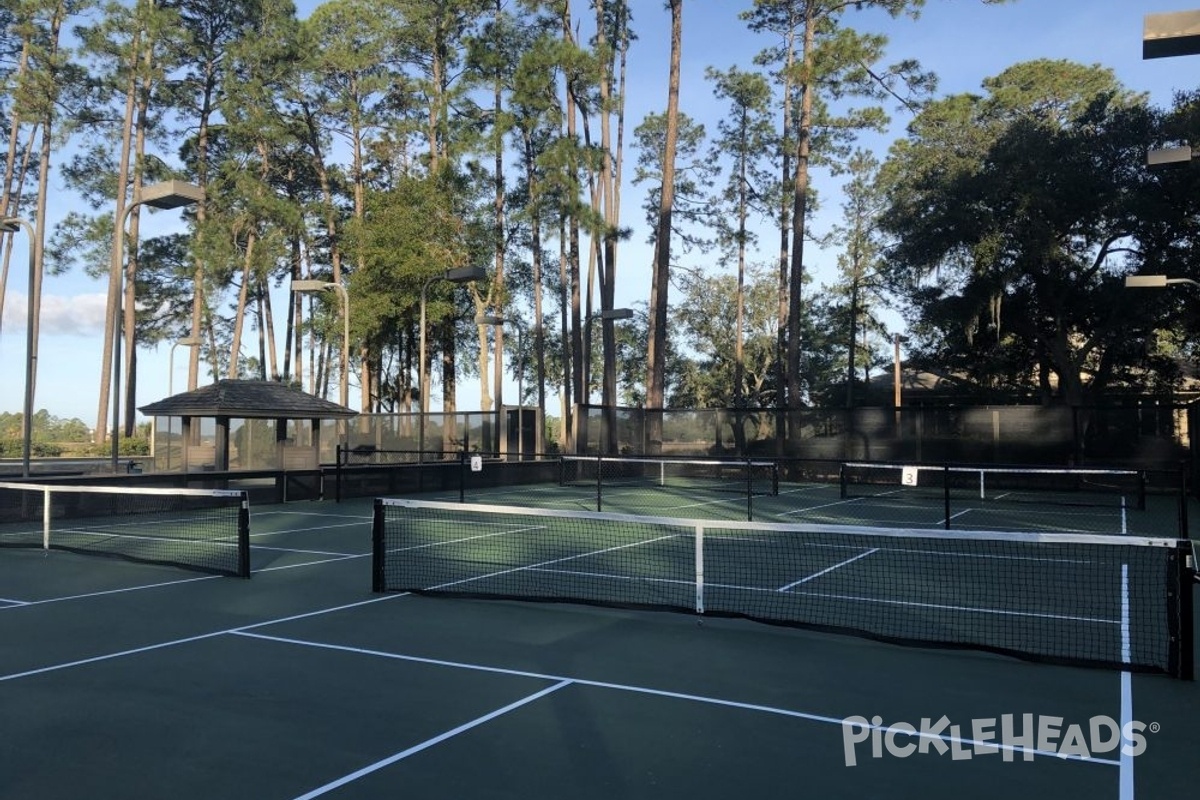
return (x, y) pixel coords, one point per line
(247, 400)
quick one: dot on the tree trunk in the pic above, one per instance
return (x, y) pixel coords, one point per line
(239, 318)
(795, 382)
(656, 356)
(117, 264)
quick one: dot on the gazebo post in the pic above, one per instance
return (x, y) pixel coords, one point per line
(222, 445)
(185, 439)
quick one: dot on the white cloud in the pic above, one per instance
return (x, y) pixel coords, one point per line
(73, 315)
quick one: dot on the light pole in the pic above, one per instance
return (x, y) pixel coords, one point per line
(168, 194)
(896, 381)
(609, 367)
(10, 225)
(307, 287)
(896, 340)
(187, 341)
(488, 319)
(458, 275)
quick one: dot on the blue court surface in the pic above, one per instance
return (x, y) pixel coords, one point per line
(132, 680)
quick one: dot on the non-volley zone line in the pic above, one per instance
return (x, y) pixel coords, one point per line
(559, 682)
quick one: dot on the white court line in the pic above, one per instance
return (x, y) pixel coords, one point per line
(806, 488)
(827, 596)
(535, 567)
(823, 505)
(188, 639)
(505, 532)
(403, 754)
(86, 595)
(305, 552)
(122, 590)
(312, 563)
(816, 575)
(718, 502)
(259, 513)
(774, 542)
(306, 530)
(622, 687)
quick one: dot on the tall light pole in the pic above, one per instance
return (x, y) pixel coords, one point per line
(459, 275)
(11, 225)
(897, 340)
(896, 381)
(307, 287)
(488, 319)
(609, 368)
(168, 194)
(187, 341)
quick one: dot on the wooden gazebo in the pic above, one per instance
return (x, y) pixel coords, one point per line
(228, 400)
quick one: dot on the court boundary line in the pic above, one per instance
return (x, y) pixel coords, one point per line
(704, 699)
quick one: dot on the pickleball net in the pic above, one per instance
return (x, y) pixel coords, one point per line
(1066, 486)
(197, 529)
(1093, 600)
(739, 476)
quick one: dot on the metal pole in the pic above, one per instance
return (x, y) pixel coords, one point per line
(346, 347)
(896, 371)
(520, 394)
(422, 378)
(119, 328)
(31, 347)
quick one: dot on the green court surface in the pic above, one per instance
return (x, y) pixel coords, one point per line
(125, 680)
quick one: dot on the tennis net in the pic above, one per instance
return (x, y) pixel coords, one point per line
(205, 530)
(1040, 485)
(1094, 600)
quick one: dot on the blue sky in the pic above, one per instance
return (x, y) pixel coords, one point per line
(963, 41)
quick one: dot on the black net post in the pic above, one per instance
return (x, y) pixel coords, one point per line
(462, 476)
(1182, 650)
(946, 494)
(842, 480)
(243, 538)
(749, 491)
(599, 481)
(337, 472)
(378, 552)
(1183, 502)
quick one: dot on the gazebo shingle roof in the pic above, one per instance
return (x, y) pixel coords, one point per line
(247, 400)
